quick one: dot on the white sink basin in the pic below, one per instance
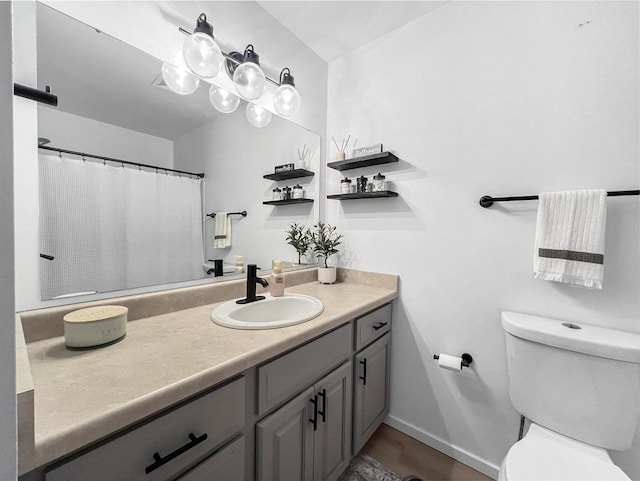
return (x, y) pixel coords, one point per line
(268, 313)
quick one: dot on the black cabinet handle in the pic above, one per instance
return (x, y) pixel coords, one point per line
(160, 461)
(364, 371)
(379, 326)
(314, 419)
(323, 413)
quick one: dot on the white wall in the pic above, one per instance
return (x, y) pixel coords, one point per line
(236, 24)
(81, 134)
(8, 449)
(234, 156)
(497, 98)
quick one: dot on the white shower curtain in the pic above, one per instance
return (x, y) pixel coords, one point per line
(111, 227)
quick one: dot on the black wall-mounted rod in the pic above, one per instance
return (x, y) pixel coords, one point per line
(243, 214)
(487, 200)
(119, 161)
(44, 97)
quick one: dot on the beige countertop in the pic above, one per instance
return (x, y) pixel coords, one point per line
(83, 396)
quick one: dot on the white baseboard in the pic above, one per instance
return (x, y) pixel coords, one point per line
(459, 454)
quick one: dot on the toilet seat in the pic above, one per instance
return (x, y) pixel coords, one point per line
(546, 455)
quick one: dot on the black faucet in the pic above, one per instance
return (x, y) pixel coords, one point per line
(252, 280)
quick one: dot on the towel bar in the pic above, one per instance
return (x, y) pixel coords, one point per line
(487, 201)
(243, 214)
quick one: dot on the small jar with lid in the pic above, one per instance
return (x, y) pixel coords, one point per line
(286, 193)
(362, 183)
(345, 185)
(298, 193)
(277, 194)
(378, 182)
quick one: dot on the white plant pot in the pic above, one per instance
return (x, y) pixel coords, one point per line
(327, 275)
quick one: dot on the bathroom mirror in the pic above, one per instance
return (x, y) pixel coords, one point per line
(103, 229)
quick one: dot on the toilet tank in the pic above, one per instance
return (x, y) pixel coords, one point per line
(579, 380)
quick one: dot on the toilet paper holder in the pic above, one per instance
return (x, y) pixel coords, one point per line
(466, 358)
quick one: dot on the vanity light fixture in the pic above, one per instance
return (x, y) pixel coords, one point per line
(179, 80)
(201, 53)
(223, 100)
(257, 116)
(286, 99)
(205, 59)
(248, 76)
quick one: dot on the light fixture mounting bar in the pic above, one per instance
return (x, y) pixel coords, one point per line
(228, 57)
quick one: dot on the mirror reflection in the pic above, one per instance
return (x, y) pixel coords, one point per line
(120, 206)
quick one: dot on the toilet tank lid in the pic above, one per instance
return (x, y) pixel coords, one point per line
(588, 339)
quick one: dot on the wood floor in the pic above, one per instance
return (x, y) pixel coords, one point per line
(405, 456)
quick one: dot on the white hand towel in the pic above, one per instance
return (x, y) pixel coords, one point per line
(222, 231)
(570, 237)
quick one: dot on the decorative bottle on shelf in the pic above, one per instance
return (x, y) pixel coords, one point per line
(239, 264)
(362, 183)
(345, 186)
(298, 193)
(276, 284)
(378, 182)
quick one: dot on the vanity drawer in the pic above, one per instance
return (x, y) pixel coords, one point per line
(372, 326)
(182, 438)
(227, 464)
(289, 374)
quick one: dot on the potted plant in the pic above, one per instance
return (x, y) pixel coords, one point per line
(325, 241)
(300, 239)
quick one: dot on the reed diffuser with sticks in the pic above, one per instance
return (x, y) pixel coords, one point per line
(342, 148)
(304, 157)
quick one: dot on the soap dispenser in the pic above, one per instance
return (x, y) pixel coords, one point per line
(276, 283)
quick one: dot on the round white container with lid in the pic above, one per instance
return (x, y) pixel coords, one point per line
(95, 326)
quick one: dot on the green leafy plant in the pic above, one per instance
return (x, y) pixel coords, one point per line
(300, 239)
(325, 241)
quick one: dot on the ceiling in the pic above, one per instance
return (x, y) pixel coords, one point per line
(331, 29)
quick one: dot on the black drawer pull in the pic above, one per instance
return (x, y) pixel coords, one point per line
(379, 326)
(364, 372)
(314, 419)
(160, 461)
(323, 413)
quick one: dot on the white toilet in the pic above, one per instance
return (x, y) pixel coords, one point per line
(579, 385)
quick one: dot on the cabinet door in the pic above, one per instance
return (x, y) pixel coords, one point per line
(332, 438)
(371, 391)
(284, 440)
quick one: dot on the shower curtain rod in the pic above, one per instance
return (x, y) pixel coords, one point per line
(119, 161)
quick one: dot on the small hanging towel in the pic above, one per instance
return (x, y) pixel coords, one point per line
(222, 231)
(570, 237)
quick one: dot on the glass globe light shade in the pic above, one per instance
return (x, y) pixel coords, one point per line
(223, 100)
(179, 80)
(257, 116)
(249, 80)
(202, 55)
(286, 100)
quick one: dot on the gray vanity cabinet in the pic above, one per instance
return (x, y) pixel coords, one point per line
(333, 435)
(370, 390)
(308, 438)
(227, 464)
(164, 448)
